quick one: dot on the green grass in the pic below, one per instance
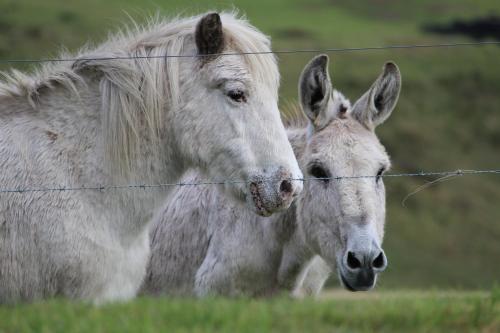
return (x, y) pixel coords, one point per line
(447, 117)
(335, 312)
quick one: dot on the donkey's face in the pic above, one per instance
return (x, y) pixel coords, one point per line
(344, 218)
(236, 130)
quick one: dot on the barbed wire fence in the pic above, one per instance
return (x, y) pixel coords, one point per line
(293, 51)
(439, 175)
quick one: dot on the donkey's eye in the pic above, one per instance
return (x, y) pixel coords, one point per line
(317, 171)
(380, 173)
(237, 95)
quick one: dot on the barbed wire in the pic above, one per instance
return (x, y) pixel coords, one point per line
(458, 172)
(319, 50)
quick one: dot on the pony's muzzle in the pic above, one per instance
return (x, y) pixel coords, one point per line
(275, 192)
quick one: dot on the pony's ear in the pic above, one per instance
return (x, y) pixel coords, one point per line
(315, 90)
(209, 35)
(376, 105)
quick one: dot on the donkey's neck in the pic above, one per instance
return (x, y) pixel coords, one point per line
(298, 140)
(287, 223)
(295, 253)
(289, 218)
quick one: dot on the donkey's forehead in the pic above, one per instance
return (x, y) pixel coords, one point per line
(349, 139)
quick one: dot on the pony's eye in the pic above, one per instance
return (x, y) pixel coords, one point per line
(379, 174)
(237, 96)
(317, 171)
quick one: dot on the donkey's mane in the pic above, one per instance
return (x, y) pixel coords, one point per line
(135, 90)
(294, 118)
(292, 115)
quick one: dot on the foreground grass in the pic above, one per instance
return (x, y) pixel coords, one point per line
(399, 311)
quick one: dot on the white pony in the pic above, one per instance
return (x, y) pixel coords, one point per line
(202, 244)
(144, 120)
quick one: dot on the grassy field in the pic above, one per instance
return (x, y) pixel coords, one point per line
(335, 312)
(447, 118)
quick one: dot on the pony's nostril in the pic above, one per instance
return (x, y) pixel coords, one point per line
(352, 261)
(379, 261)
(286, 187)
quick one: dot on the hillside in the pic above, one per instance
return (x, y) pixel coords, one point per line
(447, 118)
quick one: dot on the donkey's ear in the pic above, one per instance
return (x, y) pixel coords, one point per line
(209, 36)
(376, 105)
(315, 90)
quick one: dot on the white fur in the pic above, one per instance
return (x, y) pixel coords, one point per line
(104, 122)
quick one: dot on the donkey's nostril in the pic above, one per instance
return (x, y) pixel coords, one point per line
(379, 261)
(286, 187)
(352, 261)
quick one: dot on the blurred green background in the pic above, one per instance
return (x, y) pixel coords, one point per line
(447, 236)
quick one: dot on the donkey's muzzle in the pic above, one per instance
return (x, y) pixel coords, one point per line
(359, 269)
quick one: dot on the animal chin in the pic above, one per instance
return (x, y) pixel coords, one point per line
(257, 201)
(346, 284)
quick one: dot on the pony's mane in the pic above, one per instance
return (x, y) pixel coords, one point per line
(136, 89)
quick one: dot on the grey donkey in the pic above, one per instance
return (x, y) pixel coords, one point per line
(203, 244)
